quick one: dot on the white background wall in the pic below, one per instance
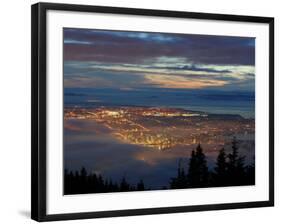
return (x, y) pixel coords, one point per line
(15, 110)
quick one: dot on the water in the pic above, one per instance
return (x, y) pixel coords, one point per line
(212, 101)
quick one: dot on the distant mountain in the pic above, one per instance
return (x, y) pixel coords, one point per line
(225, 116)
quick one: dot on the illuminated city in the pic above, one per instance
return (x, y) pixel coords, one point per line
(164, 128)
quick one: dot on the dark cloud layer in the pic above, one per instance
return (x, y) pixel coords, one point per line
(136, 47)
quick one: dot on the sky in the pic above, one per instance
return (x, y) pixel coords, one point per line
(128, 60)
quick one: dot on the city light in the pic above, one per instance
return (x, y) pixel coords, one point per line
(164, 128)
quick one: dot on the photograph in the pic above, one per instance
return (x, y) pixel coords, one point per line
(157, 111)
(139, 111)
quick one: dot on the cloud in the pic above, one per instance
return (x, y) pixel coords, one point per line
(196, 68)
(179, 82)
(155, 73)
(130, 60)
(136, 47)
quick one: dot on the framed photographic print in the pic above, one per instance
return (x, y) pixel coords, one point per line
(138, 111)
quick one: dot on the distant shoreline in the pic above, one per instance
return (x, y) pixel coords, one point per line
(210, 115)
(209, 101)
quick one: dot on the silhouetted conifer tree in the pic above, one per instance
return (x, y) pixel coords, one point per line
(250, 174)
(236, 168)
(192, 170)
(198, 175)
(221, 170)
(140, 185)
(233, 156)
(124, 186)
(181, 180)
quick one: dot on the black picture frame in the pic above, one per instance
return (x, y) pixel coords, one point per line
(38, 108)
